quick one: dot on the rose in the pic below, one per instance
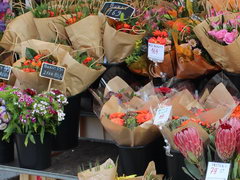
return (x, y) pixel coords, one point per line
(230, 37)
(212, 33)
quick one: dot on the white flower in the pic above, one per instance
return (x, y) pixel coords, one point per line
(197, 51)
(61, 115)
(192, 43)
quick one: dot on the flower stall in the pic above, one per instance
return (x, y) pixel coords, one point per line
(113, 90)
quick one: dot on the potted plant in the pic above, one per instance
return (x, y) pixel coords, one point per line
(6, 148)
(34, 118)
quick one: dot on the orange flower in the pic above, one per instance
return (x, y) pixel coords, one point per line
(158, 40)
(117, 115)
(142, 111)
(118, 121)
(160, 33)
(172, 13)
(141, 118)
(170, 23)
(37, 57)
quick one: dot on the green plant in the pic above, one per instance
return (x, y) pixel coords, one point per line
(32, 113)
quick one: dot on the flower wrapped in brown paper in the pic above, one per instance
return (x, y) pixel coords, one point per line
(51, 28)
(150, 174)
(192, 59)
(78, 75)
(86, 33)
(219, 103)
(224, 56)
(140, 66)
(32, 79)
(136, 136)
(20, 29)
(117, 44)
(105, 171)
(223, 5)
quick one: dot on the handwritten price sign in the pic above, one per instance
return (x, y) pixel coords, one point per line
(217, 171)
(156, 52)
(162, 115)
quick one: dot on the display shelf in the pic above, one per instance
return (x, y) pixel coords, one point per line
(65, 165)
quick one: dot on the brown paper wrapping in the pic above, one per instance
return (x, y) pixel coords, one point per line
(151, 170)
(102, 173)
(139, 136)
(32, 79)
(86, 33)
(116, 84)
(223, 5)
(20, 29)
(78, 76)
(118, 45)
(168, 66)
(48, 28)
(225, 56)
(219, 101)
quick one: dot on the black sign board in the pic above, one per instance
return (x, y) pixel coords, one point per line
(52, 72)
(5, 72)
(115, 9)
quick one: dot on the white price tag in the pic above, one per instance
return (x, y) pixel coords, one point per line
(217, 171)
(156, 52)
(162, 115)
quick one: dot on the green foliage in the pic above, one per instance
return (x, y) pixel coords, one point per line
(30, 53)
(81, 57)
(33, 114)
(137, 53)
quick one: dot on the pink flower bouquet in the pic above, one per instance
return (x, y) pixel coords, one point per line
(220, 37)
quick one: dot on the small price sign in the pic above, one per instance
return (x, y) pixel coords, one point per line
(217, 171)
(52, 72)
(162, 115)
(115, 9)
(156, 52)
(5, 72)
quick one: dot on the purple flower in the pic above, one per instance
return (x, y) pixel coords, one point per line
(221, 34)
(27, 99)
(4, 6)
(33, 119)
(2, 26)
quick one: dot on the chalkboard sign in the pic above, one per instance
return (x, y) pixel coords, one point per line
(52, 72)
(115, 9)
(5, 72)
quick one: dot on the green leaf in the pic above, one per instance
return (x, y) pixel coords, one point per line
(122, 17)
(42, 133)
(32, 139)
(187, 172)
(30, 53)
(192, 169)
(209, 155)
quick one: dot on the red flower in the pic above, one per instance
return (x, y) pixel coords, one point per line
(30, 92)
(118, 121)
(163, 90)
(87, 60)
(226, 140)
(51, 13)
(190, 144)
(157, 33)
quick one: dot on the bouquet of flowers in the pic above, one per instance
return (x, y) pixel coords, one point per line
(84, 18)
(220, 37)
(33, 113)
(225, 142)
(120, 37)
(34, 53)
(48, 18)
(192, 59)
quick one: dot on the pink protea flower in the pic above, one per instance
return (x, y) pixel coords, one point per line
(226, 141)
(190, 144)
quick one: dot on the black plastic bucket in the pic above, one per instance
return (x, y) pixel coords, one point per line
(34, 156)
(134, 160)
(6, 150)
(174, 166)
(234, 77)
(67, 132)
